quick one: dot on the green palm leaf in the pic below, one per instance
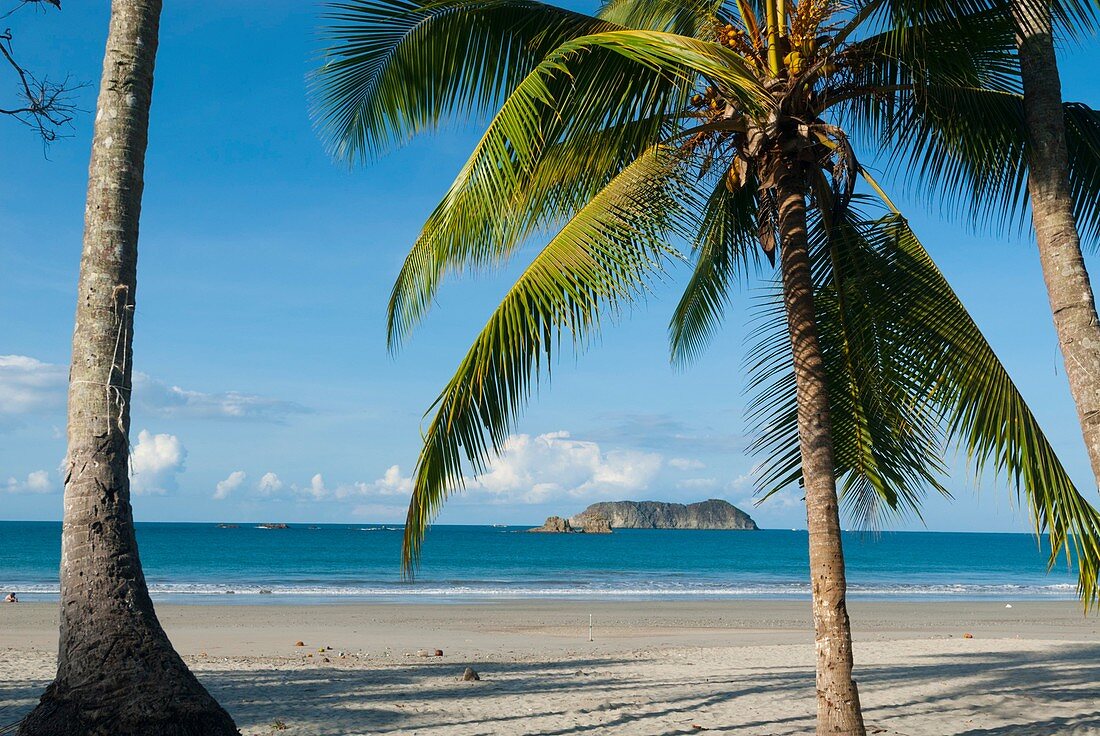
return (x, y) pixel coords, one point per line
(395, 68)
(725, 247)
(616, 88)
(682, 17)
(971, 146)
(603, 257)
(910, 375)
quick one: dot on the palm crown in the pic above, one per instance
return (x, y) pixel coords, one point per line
(661, 130)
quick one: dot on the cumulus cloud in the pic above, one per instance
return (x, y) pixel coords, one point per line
(316, 488)
(392, 483)
(230, 484)
(269, 484)
(173, 402)
(155, 462)
(28, 385)
(36, 482)
(553, 465)
(530, 469)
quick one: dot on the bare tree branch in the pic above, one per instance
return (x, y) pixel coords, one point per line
(44, 105)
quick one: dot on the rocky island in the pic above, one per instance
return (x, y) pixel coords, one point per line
(712, 514)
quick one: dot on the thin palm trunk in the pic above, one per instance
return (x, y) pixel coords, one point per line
(1067, 281)
(117, 673)
(838, 710)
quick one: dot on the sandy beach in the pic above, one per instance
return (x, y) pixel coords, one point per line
(742, 667)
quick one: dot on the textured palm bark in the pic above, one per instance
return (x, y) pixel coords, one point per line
(838, 710)
(1067, 281)
(117, 673)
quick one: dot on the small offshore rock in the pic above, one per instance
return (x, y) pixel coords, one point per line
(553, 525)
(591, 522)
(470, 675)
(265, 591)
(439, 652)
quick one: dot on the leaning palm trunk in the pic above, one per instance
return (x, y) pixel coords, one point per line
(838, 710)
(657, 123)
(117, 673)
(1067, 281)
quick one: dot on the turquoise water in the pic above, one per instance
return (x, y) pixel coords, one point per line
(330, 563)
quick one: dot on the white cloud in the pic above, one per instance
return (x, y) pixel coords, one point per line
(230, 484)
(155, 462)
(553, 465)
(36, 482)
(530, 469)
(316, 488)
(174, 402)
(392, 483)
(28, 385)
(269, 484)
(684, 463)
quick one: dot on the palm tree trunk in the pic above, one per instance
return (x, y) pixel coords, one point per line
(838, 710)
(1067, 281)
(117, 673)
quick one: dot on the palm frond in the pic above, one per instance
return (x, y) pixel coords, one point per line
(604, 257)
(682, 17)
(887, 445)
(967, 148)
(395, 68)
(616, 88)
(910, 375)
(1074, 19)
(1083, 146)
(724, 248)
(984, 411)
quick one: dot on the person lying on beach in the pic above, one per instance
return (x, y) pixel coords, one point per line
(11, 598)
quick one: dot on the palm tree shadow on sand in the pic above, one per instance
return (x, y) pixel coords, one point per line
(1022, 692)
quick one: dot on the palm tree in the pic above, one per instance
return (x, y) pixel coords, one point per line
(660, 123)
(117, 673)
(1017, 144)
(1048, 184)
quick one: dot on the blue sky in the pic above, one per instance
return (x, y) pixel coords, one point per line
(265, 389)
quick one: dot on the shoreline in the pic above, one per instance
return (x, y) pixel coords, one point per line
(738, 667)
(529, 625)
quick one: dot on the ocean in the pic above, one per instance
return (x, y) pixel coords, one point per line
(202, 563)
